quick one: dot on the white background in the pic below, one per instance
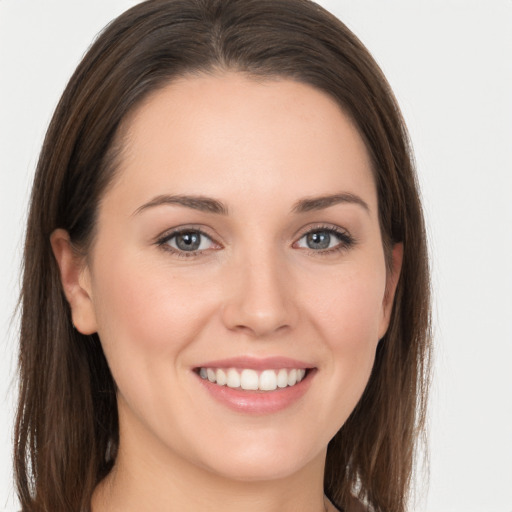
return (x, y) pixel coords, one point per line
(450, 64)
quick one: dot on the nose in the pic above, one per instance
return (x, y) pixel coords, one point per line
(260, 301)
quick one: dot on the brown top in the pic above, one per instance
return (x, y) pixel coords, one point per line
(354, 506)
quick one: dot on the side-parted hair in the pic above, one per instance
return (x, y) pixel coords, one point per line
(66, 435)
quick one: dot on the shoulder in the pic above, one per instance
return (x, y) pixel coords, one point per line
(356, 506)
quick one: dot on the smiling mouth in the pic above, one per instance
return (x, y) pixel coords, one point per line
(253, 380)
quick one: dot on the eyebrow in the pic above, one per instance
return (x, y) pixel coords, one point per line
(210, 205)
(321, 202)
(203, 204)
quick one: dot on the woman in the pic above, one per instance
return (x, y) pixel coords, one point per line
(225, 298)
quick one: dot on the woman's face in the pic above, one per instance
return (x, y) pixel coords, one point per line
(240, 243)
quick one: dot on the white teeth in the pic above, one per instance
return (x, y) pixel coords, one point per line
(233, 378)
(222, 378)
(268, 380)
(248, 379)
(282, 378)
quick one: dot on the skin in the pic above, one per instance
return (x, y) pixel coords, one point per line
(254, 289)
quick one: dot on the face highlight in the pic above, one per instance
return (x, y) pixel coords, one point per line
(237, 280)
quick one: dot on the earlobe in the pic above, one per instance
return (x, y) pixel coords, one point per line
(75, 280)
(391, 285)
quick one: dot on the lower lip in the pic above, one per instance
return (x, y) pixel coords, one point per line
(259, 402)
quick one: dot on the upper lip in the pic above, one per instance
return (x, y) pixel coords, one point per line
(255, 363)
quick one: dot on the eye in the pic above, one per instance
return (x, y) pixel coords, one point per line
(187, 241)
(325, 239)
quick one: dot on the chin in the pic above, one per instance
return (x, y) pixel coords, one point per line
(258, 471)
(260, 461)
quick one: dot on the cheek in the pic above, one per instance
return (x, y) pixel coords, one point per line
(146, 310)
(349, 320)
(146, 324)
(356, 333)
(350, 311)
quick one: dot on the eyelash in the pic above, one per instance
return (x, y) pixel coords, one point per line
(163, 242)
(346, 241)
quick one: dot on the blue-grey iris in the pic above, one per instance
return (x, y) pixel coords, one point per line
(318, 240)
(188, 241)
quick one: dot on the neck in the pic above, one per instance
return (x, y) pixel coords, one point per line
(199, 490)
(144, 482)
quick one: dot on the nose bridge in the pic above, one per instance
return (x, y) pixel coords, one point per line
(261, 301)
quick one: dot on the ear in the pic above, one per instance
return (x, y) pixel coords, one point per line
(393, 276)
(76, 282)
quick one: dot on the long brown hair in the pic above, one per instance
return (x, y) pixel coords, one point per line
(67, 427)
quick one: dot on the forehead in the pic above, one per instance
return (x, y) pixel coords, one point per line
(228, 134)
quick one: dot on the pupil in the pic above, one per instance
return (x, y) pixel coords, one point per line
(188, 241)
(319, 240)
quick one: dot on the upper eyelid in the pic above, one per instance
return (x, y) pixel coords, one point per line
(346, 239)
(162, 241)
(333, 228)
(321, 227)
(169, 233)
